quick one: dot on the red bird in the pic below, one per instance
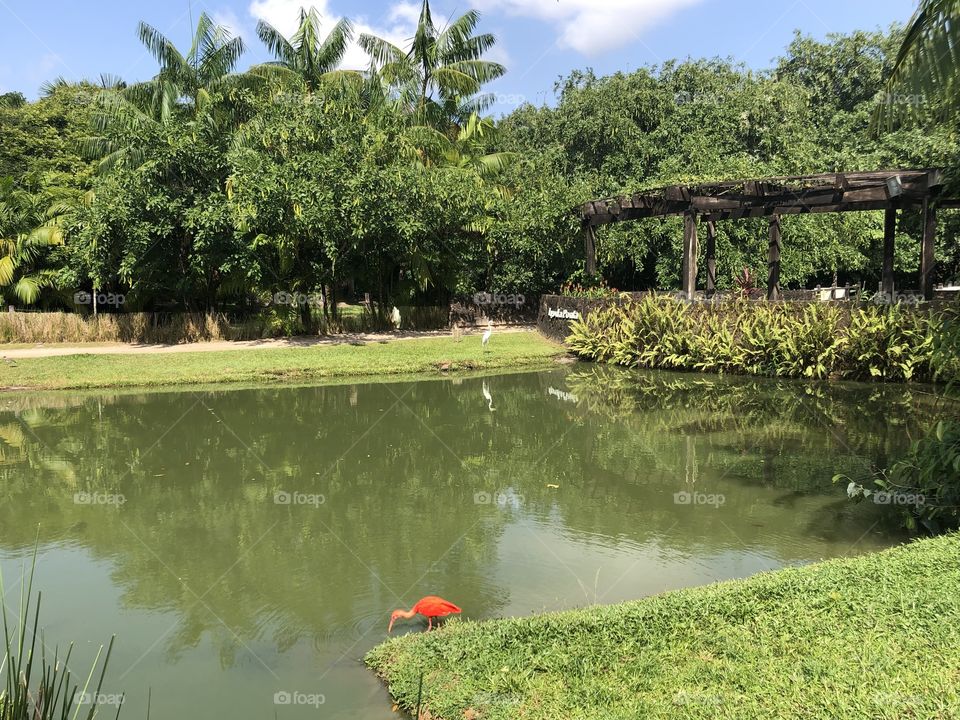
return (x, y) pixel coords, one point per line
(430, 607)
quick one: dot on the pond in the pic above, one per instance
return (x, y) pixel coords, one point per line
(247, 546)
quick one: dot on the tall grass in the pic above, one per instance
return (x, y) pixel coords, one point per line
(811, 340)
(42, 688)
(176, 328)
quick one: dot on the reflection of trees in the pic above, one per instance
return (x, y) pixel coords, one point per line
(199, 498)
(199, 473)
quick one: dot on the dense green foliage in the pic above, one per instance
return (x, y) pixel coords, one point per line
(744, 649)
(924, 486)
(211, 188)
(869, 342)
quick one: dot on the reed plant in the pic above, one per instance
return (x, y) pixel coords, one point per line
(35, 684)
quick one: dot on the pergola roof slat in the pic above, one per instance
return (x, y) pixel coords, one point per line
(828, 192)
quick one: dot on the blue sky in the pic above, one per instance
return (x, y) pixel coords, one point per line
(539, 39)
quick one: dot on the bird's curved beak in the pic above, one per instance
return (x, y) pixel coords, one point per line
(390, 627)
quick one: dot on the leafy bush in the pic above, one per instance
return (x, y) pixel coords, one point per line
(924, 487)
(591, 289)
(818, 341)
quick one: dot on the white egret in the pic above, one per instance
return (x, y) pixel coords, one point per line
(488, 397)
(487, 335)
(395, 317)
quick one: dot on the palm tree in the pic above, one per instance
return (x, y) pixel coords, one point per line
(438, 79)
(31, 223)
(196, 77)
(927, 68)
(305, 60)
(188, 86)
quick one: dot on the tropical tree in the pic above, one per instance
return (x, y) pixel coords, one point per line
(197, 86)
(438, 79)
(31, 224)
(926, 72)
(306, 60)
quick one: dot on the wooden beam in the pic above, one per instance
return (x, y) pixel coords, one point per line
(928, 260)
(689, 255)
(590, 249)
(773, 260)
(889, 235)
(711, 258)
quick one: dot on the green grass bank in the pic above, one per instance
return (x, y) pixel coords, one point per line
(396, 357)
(876, 636)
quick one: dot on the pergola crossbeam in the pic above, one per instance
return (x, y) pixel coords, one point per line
(888, 190)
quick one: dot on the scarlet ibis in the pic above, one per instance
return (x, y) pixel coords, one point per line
(430, 607)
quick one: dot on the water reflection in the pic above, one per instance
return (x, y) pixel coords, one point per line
(264, 535)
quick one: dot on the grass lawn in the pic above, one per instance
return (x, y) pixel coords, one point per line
(399, 357)
(876, 636)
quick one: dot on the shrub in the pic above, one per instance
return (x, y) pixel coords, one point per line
(817, 341)
(924, 487)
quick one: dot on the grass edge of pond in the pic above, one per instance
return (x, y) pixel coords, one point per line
(395, 358)
(876, 635)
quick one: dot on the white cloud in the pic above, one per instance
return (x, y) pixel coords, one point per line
(592, 26)
(398, 26)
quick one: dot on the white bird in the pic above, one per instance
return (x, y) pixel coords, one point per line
(487, 396)
(487, 335)
(395, 317)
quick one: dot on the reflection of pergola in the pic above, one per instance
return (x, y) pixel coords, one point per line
(889, 190)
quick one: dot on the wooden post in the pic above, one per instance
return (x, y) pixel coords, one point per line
(689, 255)
(889, 235)
(928, 261)
(711, 258)
(590, 249)
(773, 260)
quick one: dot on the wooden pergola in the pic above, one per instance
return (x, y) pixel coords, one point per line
(888, 190)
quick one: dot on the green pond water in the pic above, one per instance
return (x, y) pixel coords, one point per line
(247, 546)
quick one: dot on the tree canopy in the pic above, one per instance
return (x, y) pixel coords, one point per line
(213, 187)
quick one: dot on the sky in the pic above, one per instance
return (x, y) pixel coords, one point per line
(538, 40)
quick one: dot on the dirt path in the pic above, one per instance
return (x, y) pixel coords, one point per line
(41, 351)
